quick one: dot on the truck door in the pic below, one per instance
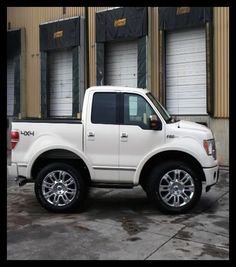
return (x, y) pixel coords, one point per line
(136, 137)
(102, 135)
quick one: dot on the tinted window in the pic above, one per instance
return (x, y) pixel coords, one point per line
(104, 108)
(137, 111)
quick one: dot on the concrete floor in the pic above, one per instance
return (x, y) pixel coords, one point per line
(118, 225)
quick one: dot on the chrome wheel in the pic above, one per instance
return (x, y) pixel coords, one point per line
(59, 188)
(176, 188)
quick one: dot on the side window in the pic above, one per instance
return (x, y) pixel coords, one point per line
(137, 111)
(104, 110)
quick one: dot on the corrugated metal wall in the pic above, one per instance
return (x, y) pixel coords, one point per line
(30, 18)
(92, 42)
(221, 61)
(154, 52)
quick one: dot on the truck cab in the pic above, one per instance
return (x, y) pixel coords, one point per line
(126, 138)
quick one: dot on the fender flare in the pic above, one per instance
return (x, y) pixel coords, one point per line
(167, 148)
(80, 154)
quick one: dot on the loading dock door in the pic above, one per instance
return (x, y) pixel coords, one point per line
(186, 72)
(60, 83)
(10, 87)
(121, 63)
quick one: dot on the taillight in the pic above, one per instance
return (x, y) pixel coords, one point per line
(15, 137)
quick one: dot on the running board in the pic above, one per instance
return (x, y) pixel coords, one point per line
(111, 185)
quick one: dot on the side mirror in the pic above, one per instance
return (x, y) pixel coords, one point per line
(155, 123)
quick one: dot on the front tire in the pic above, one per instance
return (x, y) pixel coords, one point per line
(60, 188)
(174, 187)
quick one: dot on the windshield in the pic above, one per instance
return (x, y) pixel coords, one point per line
(160, 108)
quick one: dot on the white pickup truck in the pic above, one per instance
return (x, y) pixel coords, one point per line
(125, 139)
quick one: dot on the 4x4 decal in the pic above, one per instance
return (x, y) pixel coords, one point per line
(27, 133)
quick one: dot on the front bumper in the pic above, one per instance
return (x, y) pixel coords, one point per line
(212, 177)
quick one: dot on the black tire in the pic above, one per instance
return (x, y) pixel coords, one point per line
(165, 196)
(67, 195)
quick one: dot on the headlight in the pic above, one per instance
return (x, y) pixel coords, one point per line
(210, 148)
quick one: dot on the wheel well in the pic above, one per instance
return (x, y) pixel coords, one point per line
(167, 156)
(60, 155)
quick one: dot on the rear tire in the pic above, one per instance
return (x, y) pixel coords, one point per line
(60, 188)
(174, 187)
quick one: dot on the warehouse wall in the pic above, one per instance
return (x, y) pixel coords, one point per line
(221, 61)
(220, 123)
(154, 40)
(30, 18)
(153, 69)
(92, 42)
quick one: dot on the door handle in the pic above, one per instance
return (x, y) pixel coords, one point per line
(91, 134)
(124, 135)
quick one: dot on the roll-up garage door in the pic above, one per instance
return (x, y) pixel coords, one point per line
(10, 87)
(186, 72)
(121, 63)
(60, 83)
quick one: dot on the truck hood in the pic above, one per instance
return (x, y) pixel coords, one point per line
(192, 126)
(184, 128)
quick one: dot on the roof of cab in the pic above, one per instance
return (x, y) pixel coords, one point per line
(117, 88)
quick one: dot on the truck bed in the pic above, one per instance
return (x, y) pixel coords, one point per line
(39, 134)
